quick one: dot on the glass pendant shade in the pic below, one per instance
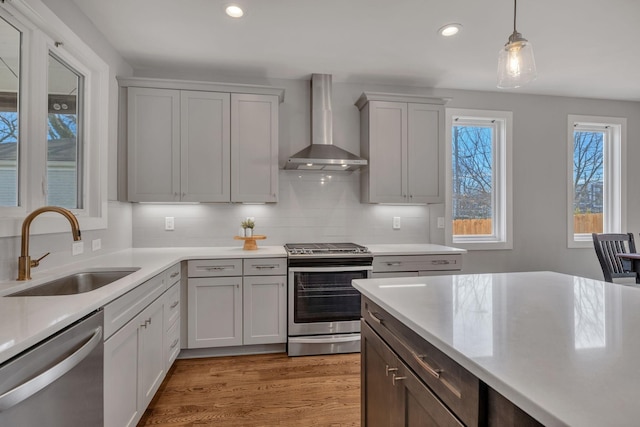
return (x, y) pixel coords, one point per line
(516, 65)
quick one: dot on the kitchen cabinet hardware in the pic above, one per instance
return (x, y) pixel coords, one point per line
(420, 359)
(264, 267)
(440, 262)
(394, 264)
(174, 304)
(174, 343)
(395, 378)
(175, 274)
(388, 369)
(375, 318)
(219, 268)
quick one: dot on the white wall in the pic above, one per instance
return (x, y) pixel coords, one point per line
(118, 234)
(539, 183)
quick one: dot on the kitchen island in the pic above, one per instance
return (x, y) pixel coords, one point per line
(562, 349)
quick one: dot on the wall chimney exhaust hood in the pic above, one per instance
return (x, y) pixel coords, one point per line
(322, 154)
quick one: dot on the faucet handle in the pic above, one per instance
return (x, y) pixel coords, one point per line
(35, 263)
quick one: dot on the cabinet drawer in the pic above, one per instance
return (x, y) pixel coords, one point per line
(172, 345)
(215, 267)
(174, 274)
(417, 263)
(172, 306)
(454, 385)
(118, 312)
(265, 266)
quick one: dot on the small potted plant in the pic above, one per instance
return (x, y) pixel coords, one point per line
(247, 226)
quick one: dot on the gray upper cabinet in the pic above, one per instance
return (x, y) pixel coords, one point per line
(201, 142)
(204, 149)
(154, 145)
(254, 148)
(402, 136)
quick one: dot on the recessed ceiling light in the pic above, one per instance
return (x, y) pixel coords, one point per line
(234, 11)
(450, 30)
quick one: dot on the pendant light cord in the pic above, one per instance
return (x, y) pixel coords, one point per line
(515, 5)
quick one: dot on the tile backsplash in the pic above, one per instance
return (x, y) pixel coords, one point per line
(312, 207)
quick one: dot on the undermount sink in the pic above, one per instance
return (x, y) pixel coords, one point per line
(76, 283)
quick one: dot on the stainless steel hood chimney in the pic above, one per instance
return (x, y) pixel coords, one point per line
(322, 154)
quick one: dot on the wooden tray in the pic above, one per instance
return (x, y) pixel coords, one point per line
(250, 242)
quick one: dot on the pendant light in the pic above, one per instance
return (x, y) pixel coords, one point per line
(516, 66)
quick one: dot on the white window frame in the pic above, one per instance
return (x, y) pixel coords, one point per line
(44, 32)
(502, 238)
(614, 204)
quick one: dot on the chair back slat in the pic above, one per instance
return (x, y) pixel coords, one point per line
(607, 247)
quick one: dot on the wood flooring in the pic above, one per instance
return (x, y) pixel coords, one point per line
(259, 390)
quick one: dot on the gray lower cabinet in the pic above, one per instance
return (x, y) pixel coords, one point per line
(415, 265)
(135, 359)
(235, 302)
(406, 381)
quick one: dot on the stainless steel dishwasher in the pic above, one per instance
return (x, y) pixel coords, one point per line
(57, 382)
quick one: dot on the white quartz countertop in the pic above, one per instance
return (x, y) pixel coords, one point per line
(25, 321)
(564, 349)
(414, 249)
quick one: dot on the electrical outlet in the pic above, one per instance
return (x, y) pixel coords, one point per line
(169, 223)
(96, 244)
(440, 222)
(77, 248)
(396, 223)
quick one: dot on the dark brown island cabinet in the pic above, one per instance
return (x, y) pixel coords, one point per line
(406, 381)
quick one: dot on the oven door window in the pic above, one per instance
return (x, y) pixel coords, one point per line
(326, 296)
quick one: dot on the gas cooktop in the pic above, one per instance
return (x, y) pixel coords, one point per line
(320, 249)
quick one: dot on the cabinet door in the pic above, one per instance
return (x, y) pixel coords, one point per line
(425, 158)
(151, 365)
(205, 147)
(392, 395)
(121, 399)
(265, 309)
(153, 138)
(215, 312)
(254, 148)
(387, 152)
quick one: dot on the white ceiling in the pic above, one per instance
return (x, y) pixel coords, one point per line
(585, 48)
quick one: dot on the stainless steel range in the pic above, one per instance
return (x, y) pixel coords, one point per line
(324, 309)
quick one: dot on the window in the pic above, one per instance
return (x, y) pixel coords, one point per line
(9, 113)
(64, 135)
(478, 204)
(54, 94)
(596, 147)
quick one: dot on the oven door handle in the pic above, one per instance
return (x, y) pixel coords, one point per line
(324, 339)
(330, 269)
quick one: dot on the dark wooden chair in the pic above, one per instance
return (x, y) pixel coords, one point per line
(607, 245)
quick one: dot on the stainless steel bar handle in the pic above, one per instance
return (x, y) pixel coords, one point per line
(420, 359)
(34, 385)
(387, 369)
(440, 262)
(394, 378)
(174, 275)
(374, 318)
(262, 267)
(175, 303)
(218, 268)
(394, 264)
(174, 343)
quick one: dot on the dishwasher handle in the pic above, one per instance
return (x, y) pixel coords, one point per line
(34, 385)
